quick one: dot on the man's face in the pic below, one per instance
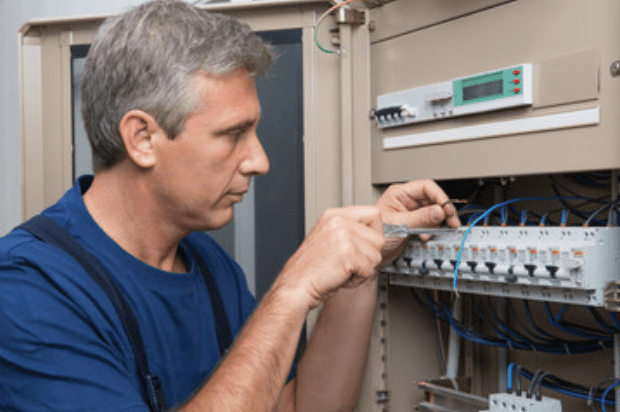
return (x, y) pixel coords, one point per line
(207, 168)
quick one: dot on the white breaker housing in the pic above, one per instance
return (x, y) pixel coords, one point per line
(557, 264)
(508, 402)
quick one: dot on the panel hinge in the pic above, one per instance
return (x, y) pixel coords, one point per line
(350, 16)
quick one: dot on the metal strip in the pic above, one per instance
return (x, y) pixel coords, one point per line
(566, 120)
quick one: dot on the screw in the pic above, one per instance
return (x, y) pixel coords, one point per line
(372, 26)
(615, 68)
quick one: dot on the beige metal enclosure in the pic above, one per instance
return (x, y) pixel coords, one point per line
(571, 44)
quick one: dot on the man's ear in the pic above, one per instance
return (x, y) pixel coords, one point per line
(139, 131)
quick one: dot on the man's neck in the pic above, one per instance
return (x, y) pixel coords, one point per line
(121, 204)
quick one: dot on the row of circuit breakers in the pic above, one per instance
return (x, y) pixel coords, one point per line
(559, 264)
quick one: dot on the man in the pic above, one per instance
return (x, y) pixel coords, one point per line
(171, 111)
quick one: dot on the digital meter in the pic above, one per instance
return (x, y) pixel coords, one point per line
(482, 92)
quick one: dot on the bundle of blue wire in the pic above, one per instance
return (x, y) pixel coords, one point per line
(587, 340)
(593, 394)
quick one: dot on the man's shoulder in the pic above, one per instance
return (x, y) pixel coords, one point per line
(20, 245)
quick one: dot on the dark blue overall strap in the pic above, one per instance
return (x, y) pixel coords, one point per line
(224, 335)
(47, 230)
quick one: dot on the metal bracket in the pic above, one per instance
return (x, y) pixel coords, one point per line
(350, 16)
(376, 3)
(612, 297)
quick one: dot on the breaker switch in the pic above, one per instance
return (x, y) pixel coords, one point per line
(472, 265)
(530, 269)
(511, 277)
(553, 270)
(439, 263)
(453, 263)
(424, 270)
(408, 260)
(490, 266)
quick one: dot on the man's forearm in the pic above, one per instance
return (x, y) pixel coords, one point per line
(251, 376)
(330, 374)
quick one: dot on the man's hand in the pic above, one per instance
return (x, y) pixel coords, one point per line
(342, 250)
(420, 203)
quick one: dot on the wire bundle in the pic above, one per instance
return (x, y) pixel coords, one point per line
(530, 337)
(594, 395)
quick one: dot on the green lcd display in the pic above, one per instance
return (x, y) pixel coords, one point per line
(483, 90)
(489, 86)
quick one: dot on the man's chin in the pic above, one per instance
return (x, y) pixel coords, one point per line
(220, 221)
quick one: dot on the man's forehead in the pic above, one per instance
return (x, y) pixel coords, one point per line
(225, 100)
(229, 85)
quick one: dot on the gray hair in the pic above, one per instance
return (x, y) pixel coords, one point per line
(146, 58)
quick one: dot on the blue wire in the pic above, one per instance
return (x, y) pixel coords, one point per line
(587, 181)
(602, 400)
(443, 359)
(528, 314)
(599, 319)
(529, 332)
(558, 317)
(565, 213)
(560, 348)
(523, 217)
(473, 216)
(471, 206)
(604, 396)
(573, 331)
(510, 368)
(614, 319)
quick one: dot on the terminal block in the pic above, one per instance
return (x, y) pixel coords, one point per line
(558, 264)
(507, 402)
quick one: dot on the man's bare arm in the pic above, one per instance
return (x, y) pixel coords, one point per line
(344, 248)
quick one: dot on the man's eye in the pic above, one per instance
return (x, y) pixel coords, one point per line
(237, 134)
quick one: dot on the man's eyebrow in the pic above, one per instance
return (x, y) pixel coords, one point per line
(244, 125)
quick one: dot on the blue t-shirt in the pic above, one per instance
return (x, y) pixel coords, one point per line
(62, 346)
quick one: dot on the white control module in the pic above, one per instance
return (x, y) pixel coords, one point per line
(482, 92)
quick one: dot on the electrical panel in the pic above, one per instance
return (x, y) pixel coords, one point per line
(507, 402)
(557, 264)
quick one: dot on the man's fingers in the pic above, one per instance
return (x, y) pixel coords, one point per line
(424, 192)
(429, 216)
(367, 215)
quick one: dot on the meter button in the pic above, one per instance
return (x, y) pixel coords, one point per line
(516, 90)
(516, 81)
(516, 72)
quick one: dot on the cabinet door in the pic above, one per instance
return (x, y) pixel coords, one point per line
(570, 46)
